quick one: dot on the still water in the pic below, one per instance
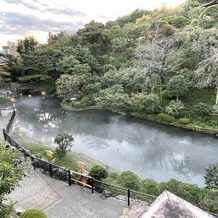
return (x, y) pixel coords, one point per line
(150, 150)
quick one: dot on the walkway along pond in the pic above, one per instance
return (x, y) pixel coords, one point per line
(150, 150)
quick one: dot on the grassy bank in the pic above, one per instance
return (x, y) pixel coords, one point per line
(69, 161)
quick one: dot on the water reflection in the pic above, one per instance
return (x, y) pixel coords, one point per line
(149, 149)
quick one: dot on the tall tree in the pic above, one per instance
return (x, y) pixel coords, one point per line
(157, 58)
(91, 36)
(27, 45)
(65, 142)
(206, 73)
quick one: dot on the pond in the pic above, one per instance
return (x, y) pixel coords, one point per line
(148, 149)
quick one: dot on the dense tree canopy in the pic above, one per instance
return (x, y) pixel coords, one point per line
(144, 63)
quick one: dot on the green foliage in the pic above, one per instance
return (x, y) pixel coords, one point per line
(165, 94)
(98, 172)
(113, 98)
(166, 117)
(189, 127)
(177, 85)
(77, 104)
(33, 213)
(67, 64)
(84, 100)
(4, 77)
(189, 192)
(70, 85)
(203, 109)
(6, 210)
(146, 103)
(211, 176)
(177, 21)
(92, 88)
(130, 180)
(12, 170)
(184, 120)
(195, 96)
(209, 202)
(113, 77)
(149, 186)
(209, 17)
(27, 45)
(174, 107)
(166, 29)
(65, 142)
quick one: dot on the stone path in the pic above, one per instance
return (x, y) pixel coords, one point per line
(57, 199)
(135, 210)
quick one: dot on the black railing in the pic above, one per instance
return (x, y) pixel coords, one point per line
(13, 143)
(115, 190)
(11, 121)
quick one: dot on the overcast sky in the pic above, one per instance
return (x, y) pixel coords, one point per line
(20, 18)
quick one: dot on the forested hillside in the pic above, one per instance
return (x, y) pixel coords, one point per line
(160, 65)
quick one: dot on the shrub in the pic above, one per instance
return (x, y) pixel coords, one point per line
(98, 172)
(189, 192)
(33, 213)
(91, 101)
(166, 117)
(211, 176)
(189, 127)
(210, 201)
(146, 103)
(151, 187)
(184, 120)
(130, 180)
(175, 107)
(84, 100)
(77, 104)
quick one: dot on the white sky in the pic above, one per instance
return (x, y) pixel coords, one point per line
(115, 7)
(14, 27)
